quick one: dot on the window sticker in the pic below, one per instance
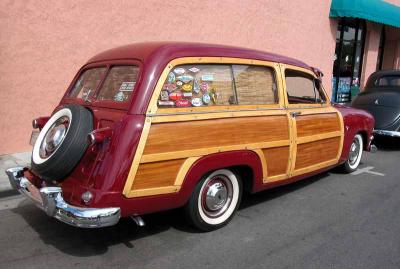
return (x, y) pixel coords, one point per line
(182, 103)
(127, 86)
(171, 77)
(164, 96)
(185, 78)
(197, 102)
(119, 97)
(198, 85)
(179, 71)
(207, 77)
(194, 69)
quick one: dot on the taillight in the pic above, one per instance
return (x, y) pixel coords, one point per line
(39, 122)
(99, 135)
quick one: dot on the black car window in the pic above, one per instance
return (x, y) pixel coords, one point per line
(389, 81)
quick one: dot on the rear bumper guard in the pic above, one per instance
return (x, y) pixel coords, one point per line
(50, 200)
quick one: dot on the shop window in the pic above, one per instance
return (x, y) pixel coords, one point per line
(218, 85)
(87, 83)
(302, 88)
(348, 59)
(119, 83)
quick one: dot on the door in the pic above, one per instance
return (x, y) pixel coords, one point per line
(316, 126)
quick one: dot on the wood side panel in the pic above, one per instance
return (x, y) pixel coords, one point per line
(179, 136)
(317, 152)
(158, 174)
(316, 124)
(277, 160)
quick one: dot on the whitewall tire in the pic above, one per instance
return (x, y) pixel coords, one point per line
(355, 154)
(214, 200)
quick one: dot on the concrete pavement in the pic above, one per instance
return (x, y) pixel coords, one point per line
(11, 160)
(332, 220)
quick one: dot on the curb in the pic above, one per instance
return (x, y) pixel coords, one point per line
(8, 161)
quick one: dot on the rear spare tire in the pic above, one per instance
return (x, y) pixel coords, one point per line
(62, 142)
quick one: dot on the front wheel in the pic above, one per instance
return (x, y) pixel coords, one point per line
(214, 200)
(355, 154)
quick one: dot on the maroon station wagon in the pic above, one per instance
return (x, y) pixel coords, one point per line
(155, 126)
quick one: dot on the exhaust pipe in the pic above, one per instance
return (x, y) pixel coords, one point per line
(138, 220)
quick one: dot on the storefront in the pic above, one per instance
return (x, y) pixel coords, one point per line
(361, 33)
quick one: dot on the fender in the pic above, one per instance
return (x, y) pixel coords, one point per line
(355, 121)
(221, 160)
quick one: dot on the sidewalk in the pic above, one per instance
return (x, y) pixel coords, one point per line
(11, 160)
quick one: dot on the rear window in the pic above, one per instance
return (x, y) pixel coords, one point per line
(218, 84)
(87, 83)
(388, 81)
(119, 84)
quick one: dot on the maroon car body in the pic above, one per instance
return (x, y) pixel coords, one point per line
(104, 168)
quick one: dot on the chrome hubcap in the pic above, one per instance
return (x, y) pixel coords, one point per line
(217, 196)
(354, 151)
(54, 137)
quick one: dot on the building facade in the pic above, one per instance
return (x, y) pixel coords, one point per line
(43, 43)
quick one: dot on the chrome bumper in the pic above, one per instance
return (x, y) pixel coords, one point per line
(50, 200)
(387, 133)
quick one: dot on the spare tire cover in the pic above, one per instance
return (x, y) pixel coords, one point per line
(62, 142)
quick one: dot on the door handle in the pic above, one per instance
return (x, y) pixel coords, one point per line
(294, 114)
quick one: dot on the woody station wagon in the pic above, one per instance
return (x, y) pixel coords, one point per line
(155, 126)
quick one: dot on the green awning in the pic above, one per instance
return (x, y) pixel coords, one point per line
(373, 10)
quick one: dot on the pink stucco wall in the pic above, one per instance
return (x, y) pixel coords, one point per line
(371, 49)
(391, 55)
(43, 43)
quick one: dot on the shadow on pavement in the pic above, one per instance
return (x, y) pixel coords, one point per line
(387, 143)
(90, 242)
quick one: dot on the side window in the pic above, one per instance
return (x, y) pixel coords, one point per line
(119, 83)
(87, 82)
(198, 85)
(255, 85)
(388, 81)
(302, 88)
(218, 84)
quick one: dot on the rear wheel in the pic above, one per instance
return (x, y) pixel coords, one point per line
(214, 200)
(62, 142)
(355, 154)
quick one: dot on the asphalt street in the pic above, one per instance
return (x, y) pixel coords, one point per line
(327, 221)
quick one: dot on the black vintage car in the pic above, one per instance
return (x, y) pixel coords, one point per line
(381, 98)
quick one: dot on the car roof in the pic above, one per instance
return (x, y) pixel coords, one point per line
(167, 51)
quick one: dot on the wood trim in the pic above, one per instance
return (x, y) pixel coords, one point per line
(314, 167)
(342, 134)
(275, 178)
(152, 191)
(216, 115)
(263, 162)
(204, 151)
(184, 169)
(293, 145)
(152, 109)
(136, 159)
(211, 109)
(312, 138)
